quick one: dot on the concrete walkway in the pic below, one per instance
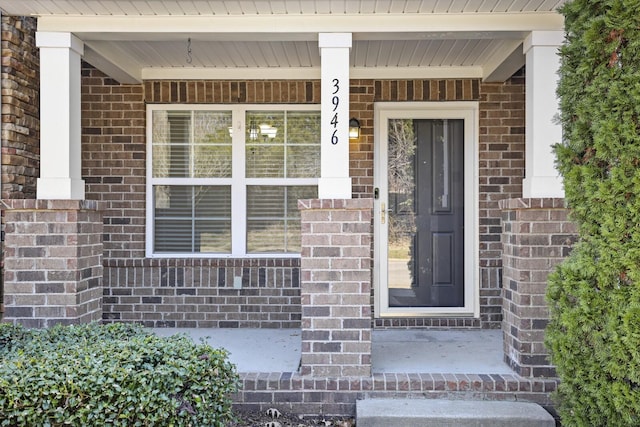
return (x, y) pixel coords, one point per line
(393, 351)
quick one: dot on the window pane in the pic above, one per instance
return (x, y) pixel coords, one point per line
(273, 219)
(191, 144)
(265, 161)
(265, 144)
(303, 127)
(171, 134)
(266, 236)
(173, 235)
(213, 236)
(273, 135)
(265, 127)
(212, 140)
(303, 161)
(303, 144)
(192, 219)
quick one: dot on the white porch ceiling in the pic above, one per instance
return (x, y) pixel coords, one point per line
(133, 40)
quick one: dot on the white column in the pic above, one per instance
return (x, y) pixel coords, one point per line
(334, 182)
(60, 132)
(541, 177)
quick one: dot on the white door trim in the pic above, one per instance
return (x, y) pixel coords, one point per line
(469, 112)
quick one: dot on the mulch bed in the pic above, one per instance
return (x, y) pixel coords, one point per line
(274, 418)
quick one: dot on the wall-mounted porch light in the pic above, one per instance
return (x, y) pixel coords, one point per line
(354, 128)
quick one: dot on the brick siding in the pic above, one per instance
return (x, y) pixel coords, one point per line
(537, 237)
(20, 116)
(53, 255)
(114, 154)
(295, 393)
(336, 287)
(199, 293)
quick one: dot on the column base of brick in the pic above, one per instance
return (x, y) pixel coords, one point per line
(53, 262)
(336, 287)
(537, 236)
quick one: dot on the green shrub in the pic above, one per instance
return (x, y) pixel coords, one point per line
(594, 296)
(116, 374)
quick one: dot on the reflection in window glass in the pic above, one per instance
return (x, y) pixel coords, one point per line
(282, 144)
(192, 219)
(273, 219)
(192, 179)
(190, 144)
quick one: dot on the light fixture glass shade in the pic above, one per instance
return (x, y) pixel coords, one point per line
(354, 128)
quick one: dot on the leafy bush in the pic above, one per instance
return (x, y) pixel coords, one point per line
(594, 296)
(115, 374)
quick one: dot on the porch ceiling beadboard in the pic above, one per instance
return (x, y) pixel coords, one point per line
(272, 7)
(135, 40)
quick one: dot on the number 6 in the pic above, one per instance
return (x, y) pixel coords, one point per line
(334, 138)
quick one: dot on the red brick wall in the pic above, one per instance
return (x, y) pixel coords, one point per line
(114, 160)
(501, 169)
(114, 154)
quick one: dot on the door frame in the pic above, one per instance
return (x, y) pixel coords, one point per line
(469, 112)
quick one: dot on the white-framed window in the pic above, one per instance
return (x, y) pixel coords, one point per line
(225, 180)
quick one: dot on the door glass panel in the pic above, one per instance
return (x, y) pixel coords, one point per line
(425, 213)
(402, 226)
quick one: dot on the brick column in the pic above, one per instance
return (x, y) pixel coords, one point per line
(53, 262)
(536, 236)
(336, 287)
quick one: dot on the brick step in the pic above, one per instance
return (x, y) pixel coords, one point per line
(449, 413)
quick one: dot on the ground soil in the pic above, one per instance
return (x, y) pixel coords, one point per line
(277, 419)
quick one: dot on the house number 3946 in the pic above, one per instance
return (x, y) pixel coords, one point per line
(335, 101)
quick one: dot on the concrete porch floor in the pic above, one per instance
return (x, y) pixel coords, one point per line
(393, 351)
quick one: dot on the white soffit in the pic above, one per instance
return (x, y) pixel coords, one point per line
(270, 7)
(135, 40)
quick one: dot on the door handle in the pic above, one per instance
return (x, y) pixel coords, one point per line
(383, 212)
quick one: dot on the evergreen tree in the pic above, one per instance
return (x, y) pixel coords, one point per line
(594, 296)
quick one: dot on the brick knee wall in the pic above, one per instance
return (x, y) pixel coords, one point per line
(537, 236)
(188, 293)
(53, 262)
(335, 287)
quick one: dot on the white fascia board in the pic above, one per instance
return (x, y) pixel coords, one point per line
(104, 27)
(503, 63)
(116, 65)
(308, 73)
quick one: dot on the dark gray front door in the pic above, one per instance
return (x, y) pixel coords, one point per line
(426, 213)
